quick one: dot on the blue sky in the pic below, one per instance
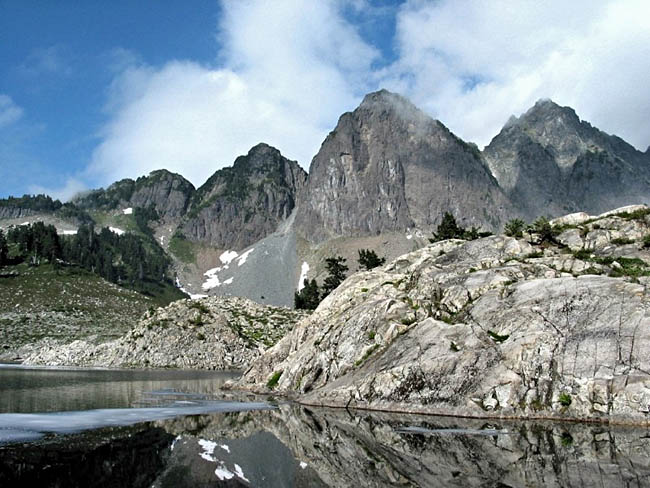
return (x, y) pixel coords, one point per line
(94, 91)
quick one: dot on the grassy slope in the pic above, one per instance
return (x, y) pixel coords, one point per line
(66, 304)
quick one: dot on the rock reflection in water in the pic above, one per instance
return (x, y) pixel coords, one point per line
(298, 447)
(338, 449)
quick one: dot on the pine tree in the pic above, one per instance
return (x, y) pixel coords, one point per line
(4, 250)
(309, 297)
(368, 259)
(448, 229)
(336, 268)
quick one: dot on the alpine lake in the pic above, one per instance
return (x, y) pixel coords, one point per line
(170, 428)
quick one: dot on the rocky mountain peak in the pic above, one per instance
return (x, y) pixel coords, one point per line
(549, 161)
(240, 204)
(388, 166)
(259, 156)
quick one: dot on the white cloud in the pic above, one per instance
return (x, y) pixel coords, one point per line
(64, 193)
(288, 70)
(473, 63)
(9, 111)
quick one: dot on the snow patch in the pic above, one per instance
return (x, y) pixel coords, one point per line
(162, 240)
(69, 232)
(223, 474)
(242, 259)
(228, 256)
(239, 472)
(178, 438)
(225, 447)
(228, 281)
(213, 279)
(303, 275)
(115, 230)
(193, 296)
(303, 464)
(127, 211)
(208, 450)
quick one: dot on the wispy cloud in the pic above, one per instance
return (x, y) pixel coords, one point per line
(69, 189)
(9, 111)
(49, 61)
(474, 63)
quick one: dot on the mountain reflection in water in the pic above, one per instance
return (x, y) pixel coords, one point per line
(294, 446)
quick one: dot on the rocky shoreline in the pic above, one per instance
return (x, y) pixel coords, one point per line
(500, 327)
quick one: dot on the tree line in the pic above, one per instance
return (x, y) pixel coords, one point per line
(124, 259)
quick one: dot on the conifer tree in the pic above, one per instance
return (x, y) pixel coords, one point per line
(336, 268)
(368, 259)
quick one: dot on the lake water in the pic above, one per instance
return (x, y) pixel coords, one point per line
(177, 429)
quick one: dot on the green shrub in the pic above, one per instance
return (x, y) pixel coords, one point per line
(621, 241)
(273, 380)
(498, 338)
(197, 305)
(564, 399)
(514, 228)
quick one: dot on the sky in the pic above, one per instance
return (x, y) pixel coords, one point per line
(93, 91)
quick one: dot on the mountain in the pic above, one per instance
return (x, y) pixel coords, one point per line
(550, 162)
(242, 204)
(388, 166)
(169, 194)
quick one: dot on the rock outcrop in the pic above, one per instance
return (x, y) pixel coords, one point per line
(210, 333)
(387, 166)
(242, 204)
(169, 194)
(496, 327)
(551, 162)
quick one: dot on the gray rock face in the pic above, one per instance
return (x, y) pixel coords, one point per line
(211, 333)
(339, 448)
(244, 203)
(388, 166)
(551, 162)
(15, 212)
(486, 328)
(168, 193)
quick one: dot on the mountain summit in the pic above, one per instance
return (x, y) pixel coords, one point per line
(241, 204)
(388, 166)
(550, 162)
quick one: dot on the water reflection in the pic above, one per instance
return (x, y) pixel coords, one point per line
(372, 450)
(294, 446)
(57, 389)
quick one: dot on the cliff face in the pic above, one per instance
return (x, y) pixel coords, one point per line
(550, 162)
(492, 327)
(168, 193)
(242, 204)
(388, 166)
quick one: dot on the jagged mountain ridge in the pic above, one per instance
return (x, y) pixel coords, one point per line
(549, 161)
(241, 204)
(387, 172)
(168, 193)
(388, 166)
